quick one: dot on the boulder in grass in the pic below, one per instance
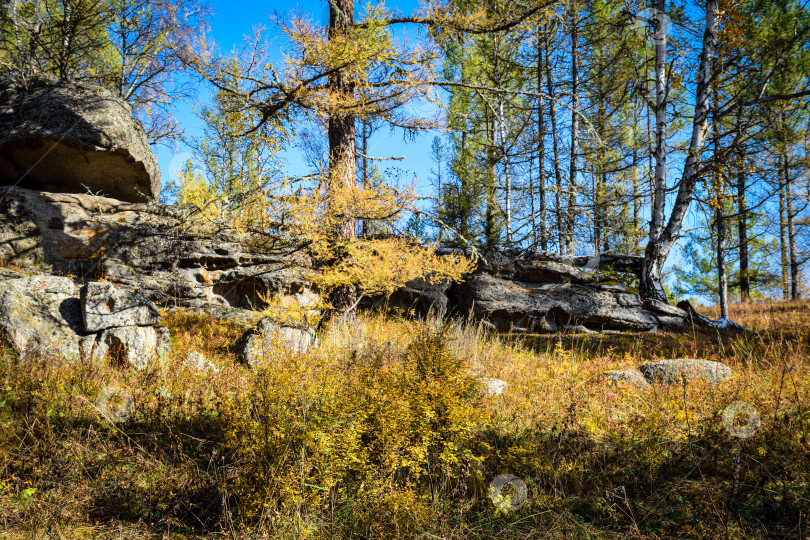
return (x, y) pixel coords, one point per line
(105, 306)
(628, 377)
(256, 344)
(685, 369)
(70, 137)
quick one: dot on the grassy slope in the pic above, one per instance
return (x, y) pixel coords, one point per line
(598, 461)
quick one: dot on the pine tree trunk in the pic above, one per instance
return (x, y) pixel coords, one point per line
(722, 277)
(341, 134)
(720, 222)
(636, 202)
(742, 233)
(541, 159)
(791, 229)
(783, 242)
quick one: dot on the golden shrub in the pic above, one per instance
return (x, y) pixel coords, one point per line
(313, 435)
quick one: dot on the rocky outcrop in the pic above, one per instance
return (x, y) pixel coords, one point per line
(143, 248)
(418, 297)
(71, 137)
(539, 292)
(543, 293)
(546, 307)
(44, 316)
(269, 337)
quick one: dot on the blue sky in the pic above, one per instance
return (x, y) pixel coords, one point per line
(230, 24)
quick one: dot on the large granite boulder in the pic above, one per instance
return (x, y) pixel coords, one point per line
(144, 248)
(40, 315)
(71, 137)
(136, 346)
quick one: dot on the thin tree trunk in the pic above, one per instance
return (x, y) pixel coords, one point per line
(364, 136)
(556, 151)
(791, 228)
(636, 202)
(662, 241)
(541, 159)
(504, 153)
(720, 224)
(572, 176)
(742, 232)
(490, 225)
(783, 241)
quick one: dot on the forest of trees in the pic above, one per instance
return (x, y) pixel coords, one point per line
(573, 126)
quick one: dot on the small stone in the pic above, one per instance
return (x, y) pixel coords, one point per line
(629, 377)
(492, 386)
(199, 362)
(688, 369)
(104, 306)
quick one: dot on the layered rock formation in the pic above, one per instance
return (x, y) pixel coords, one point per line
(144, 248)
(538, 292)
(71, 137)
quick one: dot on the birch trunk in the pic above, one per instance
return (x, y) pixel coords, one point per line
(662, 240)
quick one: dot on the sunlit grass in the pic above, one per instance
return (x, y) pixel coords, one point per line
(599, 461)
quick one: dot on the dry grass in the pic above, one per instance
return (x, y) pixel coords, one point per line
(599, 461)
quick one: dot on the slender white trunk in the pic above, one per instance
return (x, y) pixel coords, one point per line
(662, 241)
